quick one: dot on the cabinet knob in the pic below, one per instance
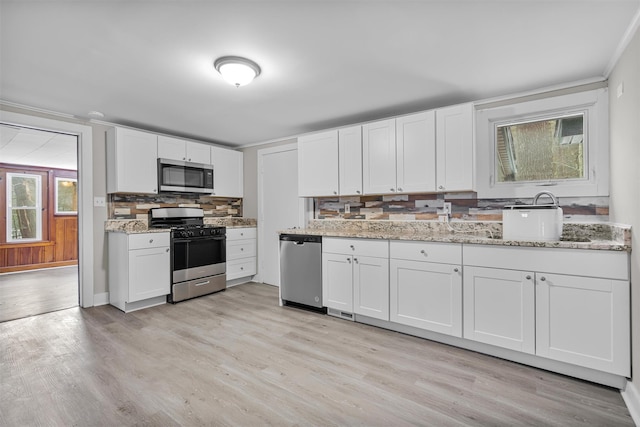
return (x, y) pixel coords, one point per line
(352, 247)
(241, 268)
(155, 190)
(167, 250)
(543, 278)
(528, 277)
(392, 189)
(184, 158)
(357, 191)
(423, 252)
(335, 192)
(440, 187)
(355, 260)
(150, 240)
(349, 259)
(456, 269)
(241, 249)
(399, 189)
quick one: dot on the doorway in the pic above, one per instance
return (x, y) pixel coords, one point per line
(279, 206)
(39, 242)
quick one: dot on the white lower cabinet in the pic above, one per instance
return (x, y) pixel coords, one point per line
(425, 286)
(241, 253)
(583, 321)
(355, 276)
(499, 308)
(139, 270)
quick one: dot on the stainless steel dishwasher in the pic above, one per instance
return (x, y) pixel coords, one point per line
(301, 271)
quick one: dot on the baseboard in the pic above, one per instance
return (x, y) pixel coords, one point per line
(631, 396)
(101, 299)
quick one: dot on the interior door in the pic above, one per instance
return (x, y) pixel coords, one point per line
(279, 206)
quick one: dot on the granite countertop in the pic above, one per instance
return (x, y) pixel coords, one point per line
(598, 236)
(135, 226)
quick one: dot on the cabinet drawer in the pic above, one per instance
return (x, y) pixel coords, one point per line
(241, 233)
(448, 253)
(241, 268)
(361, 247)
(148, 240)
(241, 249)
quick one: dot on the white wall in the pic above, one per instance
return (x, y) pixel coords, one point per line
(625, 173)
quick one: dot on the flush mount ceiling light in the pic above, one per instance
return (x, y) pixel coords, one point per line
(236, 70)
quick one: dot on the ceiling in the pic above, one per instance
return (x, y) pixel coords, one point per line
(149, 64)
(24, 146)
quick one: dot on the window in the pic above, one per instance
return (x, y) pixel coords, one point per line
(24, 207)
(66, 196)
(558, 142)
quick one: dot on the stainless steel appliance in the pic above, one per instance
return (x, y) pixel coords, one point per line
(184, 177)
(301, 271)
(198, 252)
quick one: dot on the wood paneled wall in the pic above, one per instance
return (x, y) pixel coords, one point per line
(59, 245)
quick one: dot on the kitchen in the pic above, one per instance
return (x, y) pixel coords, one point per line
(622, 204)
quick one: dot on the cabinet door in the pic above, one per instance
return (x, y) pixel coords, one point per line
(149, 274)
(318, 164)
(337, 282)
(454, 148)
(426, 295)
(227, 172)
(350, 160)
(132, 161)
(198, 153)
(416, 152)
(584, 321)
(171, 148)
(499, 307)
(379, 157)
(371, 287)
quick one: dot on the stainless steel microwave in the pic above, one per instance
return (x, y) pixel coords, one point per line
(184, 177)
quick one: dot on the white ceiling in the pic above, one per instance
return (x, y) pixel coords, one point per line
(24, 146)
(325, 63)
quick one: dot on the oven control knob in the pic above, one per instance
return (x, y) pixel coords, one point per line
(202, 232)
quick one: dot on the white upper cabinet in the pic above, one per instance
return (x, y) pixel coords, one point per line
(379, 157)
(318, 164)
(416, 153)
(227, 172)
(454, 148)
(132, 161)
(350, 160)
(179, 149)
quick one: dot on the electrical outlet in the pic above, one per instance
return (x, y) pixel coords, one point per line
(446, 207)
(99, 202)
(347, 208)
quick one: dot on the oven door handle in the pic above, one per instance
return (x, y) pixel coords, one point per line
(181, 240)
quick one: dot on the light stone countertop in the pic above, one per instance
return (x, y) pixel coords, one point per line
(598, 236)
(136, 226)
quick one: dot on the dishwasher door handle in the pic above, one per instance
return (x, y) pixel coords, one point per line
(298, 243)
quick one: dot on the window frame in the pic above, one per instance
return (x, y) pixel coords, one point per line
(595, 107)
(57, 180)
(10, 207)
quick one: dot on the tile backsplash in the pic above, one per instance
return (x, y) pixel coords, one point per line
(465, 207)
(136, 206)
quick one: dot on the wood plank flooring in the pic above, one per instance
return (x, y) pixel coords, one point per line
(238, 359)
(35, 292)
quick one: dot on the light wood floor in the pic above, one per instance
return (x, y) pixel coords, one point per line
(237, 359)
(38, 291)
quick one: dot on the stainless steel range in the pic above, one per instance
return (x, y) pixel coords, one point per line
(198, 252)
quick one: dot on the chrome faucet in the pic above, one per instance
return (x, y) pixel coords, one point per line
(545, 193)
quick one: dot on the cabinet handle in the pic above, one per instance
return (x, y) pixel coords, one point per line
(349, 259)
(399, 189)
(423, 252)
(167, 250)
(543, 278)
(456, 269)
(352, 247)
(355, 260)
(528, 277)
(357, 191)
